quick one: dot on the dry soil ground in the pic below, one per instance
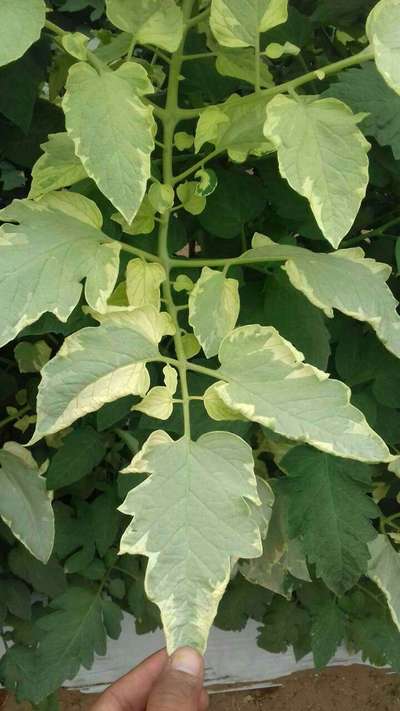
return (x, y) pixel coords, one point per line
(353, 688)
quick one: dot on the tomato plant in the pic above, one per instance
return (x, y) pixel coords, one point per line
(199, 327)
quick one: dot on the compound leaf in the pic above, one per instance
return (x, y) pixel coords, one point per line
(25, 504)
(75, 630)
(58, 167)
(329, 507)
(323, 156)
(158, 22)
(56, 243)
(238, 24)
(187, 529)
(21, 22)
(383, 30)
(265, 380)
(95, 366)
(213, 309)
(327, 280)
(112, 130)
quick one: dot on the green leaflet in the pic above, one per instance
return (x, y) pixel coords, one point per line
(383, 30)
(240, 63)
(327, 280)
(161, 197)
(25, 504)
(58, 167)
(56, 244)
(237, 199)
(16, 597)
(47, 579)
(191, 200)
(280, 556)
(143, 280)
(238, 23)
(297, 320)
(21, 22)
(236, 127)
(112, 130)
(285, 625)
(98, 365)
(158, 402)
(330, 509)
(365, 91)
(265, 380)
(158, 22)
(213, 309)
(81, 451)
(323, 156)
(31, 357)
(384, 570)
(143, 223)
(327, 622)
(187, 530)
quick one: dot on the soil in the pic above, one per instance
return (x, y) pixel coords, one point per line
(354, 688)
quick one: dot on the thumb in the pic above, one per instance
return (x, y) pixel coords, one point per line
(179, 687)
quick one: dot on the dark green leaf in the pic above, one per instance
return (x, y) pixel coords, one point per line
(82, 450)
(329, 507)
(241, 601)
(365, 91)
(113, 412)
(19, 83)
(297, 320)
(237, 199)
(48, 579)
(106, 520)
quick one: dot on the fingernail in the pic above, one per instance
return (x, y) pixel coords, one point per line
(187, 660)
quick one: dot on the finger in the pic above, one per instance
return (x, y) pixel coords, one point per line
(181, 683)
(204, 700)
(130, 693)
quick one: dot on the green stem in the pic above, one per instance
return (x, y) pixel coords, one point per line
(377, 232)
(218, 262)
(257, 74)
(388, 521)
(199, 55)
(170, 120)
(194, 168)
(55, 28)
(158, 53)
(315, 75)
(91, 57)
(147, 256)
(370, 594)
(198, 18)
(17, 415)
(129, 440)
(194, 367)
(131, 49)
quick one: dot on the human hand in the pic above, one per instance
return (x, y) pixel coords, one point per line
(159, 683)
